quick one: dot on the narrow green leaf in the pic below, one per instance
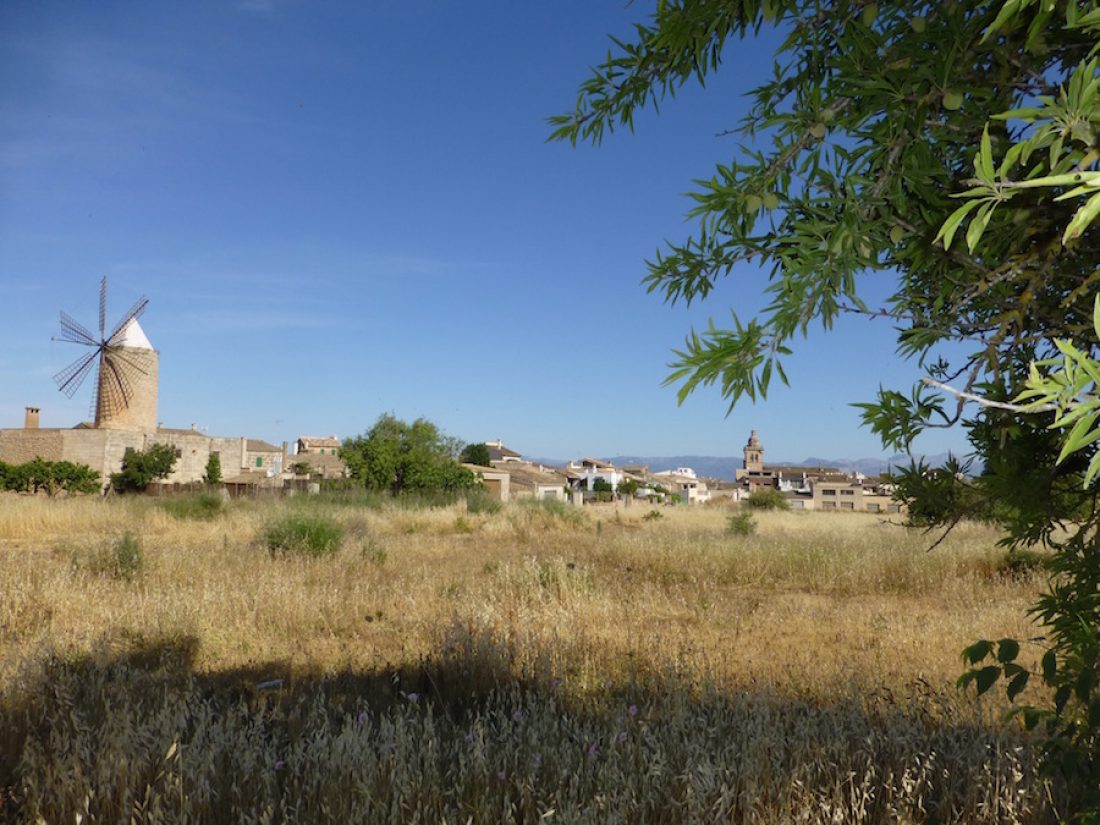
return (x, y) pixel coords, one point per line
(984, 162)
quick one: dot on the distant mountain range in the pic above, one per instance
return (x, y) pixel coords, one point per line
(725, 467)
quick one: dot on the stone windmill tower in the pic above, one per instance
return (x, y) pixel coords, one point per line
(126, 367)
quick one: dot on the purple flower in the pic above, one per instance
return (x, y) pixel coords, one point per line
(469, 737)
(517, 716)
(622, 736)
(502, 775)
(607, 684)
(362, 717)
(632, 710)
(279, 764)
(555, 684)
(593, 749)
(412, 697)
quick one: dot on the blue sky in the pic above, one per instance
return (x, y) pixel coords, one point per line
(344, 209)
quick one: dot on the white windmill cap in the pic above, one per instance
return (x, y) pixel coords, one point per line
(133, 336)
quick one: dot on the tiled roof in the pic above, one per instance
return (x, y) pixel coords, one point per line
(255, 445)
(325, 441)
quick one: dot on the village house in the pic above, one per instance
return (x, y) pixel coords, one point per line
(684, 483)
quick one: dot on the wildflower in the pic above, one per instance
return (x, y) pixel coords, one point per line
(593, 749)
(632, 710)
(607, 684)
(622, 736)
(362, 717)
(469, 737)
(412, 697)
(279, 764)
(517, 716)
(502, 775)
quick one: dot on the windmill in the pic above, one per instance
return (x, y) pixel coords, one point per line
(125, 364)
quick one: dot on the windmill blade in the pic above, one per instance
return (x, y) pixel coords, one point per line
(135, 312)
(118, 371)
(127, 362)
(75, 332)
(102, 306)
(70, 378)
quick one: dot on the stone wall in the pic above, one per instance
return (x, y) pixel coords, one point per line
(21, 446)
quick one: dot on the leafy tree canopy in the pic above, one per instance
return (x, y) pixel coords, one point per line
(475, 454)
(140, 468)
(48, 476)
(397, 457)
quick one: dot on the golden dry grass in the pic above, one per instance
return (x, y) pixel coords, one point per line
(824, 649)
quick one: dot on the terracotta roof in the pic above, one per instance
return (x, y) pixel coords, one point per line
(792, 469)
(181, 431)
(478, 468)
(530, 475)
(497, 453)
(255, 445)
(325, 441)
(327, 464)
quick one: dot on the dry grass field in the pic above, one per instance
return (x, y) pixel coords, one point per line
(530, 664)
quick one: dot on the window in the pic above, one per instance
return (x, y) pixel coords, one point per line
(847, 492)
(828, 492)
(259, 461)
(847, 505)
(872, 508)
(828, 505)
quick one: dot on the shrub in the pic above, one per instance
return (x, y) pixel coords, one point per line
(203, 507)
(479, 501)
(303, 534)
(140, 468)
(602, 485)
(768, 500)
(121, 559)
(741, 523)
(1019, 563)
(49, 476)
(653, 515)
(213, 473)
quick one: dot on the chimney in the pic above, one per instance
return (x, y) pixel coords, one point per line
(194, 426)
(30, 422)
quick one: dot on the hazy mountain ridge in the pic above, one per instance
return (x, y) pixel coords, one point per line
(725, 467)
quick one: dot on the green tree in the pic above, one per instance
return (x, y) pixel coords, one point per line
(602, 485)
(627, 487)
(398, 457)
(140, 468)
(48, 476)
(475, 454)
(213, 474)
(953, 149)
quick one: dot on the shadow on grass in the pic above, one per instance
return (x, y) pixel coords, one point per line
(484, 732)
